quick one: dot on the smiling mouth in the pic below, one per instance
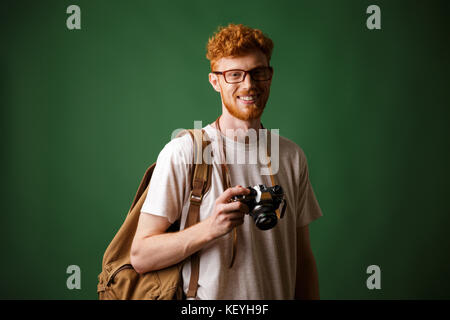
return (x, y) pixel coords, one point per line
(248, 98)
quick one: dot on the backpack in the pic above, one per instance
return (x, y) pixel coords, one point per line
(118, 279)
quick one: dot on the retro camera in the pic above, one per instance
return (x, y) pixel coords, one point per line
(262, 202)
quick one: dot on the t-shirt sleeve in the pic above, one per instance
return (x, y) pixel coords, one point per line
(308, 207)
(170, 180)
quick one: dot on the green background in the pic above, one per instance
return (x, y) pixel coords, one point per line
(85, 112)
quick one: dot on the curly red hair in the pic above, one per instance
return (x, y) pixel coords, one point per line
(237, 40)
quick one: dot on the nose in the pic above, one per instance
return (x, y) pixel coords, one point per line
(248, 82)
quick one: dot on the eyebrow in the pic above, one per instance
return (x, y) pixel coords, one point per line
(249, 69)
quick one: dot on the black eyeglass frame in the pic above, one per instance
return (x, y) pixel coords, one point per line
(245, 74)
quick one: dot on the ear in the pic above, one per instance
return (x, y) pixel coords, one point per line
(214, 80)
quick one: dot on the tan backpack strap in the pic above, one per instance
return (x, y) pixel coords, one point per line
(201, 180)
(143, 185)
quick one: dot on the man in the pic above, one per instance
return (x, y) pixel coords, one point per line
(271, 264)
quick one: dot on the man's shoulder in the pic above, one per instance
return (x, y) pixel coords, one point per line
(178, 147)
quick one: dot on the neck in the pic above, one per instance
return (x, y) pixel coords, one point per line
(229, 122)
(234, 128)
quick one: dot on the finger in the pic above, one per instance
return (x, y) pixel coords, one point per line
(235, 215)
(231, 192)
(235, 206)
(237, 222)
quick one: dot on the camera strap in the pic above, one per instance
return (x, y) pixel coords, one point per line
(226, 179)
(269, 165)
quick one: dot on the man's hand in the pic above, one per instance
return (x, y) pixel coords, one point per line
(155, 249)
(227, 215)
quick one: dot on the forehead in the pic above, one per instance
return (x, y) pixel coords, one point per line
(245, 62)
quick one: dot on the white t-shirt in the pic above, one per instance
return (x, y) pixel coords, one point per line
(266, 261)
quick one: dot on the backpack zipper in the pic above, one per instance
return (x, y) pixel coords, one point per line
(125, 266)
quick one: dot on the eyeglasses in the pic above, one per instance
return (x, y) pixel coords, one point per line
(236, 75)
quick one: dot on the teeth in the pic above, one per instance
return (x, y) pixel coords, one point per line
(247, 98)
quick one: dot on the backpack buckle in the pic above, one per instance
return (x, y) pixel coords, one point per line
(195, 199)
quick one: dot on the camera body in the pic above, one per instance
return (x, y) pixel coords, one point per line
(262, 202)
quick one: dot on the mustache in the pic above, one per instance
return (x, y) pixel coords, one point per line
(248, 93)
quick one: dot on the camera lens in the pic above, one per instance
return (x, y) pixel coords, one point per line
(265, 217)
(266, 221)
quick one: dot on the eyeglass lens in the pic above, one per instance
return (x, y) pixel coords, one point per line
(258, 74)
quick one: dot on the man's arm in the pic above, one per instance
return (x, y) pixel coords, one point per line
(153, 249)
(307, 284)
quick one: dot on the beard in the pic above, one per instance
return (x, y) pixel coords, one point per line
(242, 111)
